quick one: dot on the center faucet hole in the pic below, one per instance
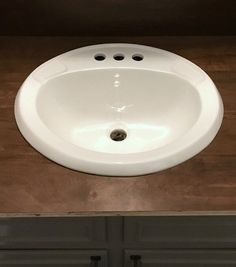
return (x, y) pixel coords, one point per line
(118, 57)
(118, 135)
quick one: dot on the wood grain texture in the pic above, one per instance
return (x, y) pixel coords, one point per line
(30, 183)
(117, 17)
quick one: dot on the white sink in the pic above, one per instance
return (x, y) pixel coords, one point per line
(118, 109)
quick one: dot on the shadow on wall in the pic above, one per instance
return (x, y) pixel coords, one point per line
(118, 17)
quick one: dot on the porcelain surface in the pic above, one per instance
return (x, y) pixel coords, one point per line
(118, 109)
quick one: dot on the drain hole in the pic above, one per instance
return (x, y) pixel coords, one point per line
(118, 135)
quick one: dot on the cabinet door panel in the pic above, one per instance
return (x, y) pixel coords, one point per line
(180, 232)
(180, 258)
(81, 232)
(52, 258)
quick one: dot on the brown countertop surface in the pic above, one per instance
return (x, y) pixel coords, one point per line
(30, 184)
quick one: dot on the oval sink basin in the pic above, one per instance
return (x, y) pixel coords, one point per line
(118, 109)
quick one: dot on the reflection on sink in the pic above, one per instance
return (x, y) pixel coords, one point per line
(118, 109)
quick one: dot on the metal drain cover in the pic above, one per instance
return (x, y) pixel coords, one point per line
(118, 135)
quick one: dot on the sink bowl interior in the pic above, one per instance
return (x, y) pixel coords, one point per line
(152, 108)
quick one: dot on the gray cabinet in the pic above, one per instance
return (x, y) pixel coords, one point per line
(80, 232)
(52, 258)
(180, 258)
(180, 232)
(118, 241)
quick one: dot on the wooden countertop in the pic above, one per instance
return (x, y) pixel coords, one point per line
(30, 184)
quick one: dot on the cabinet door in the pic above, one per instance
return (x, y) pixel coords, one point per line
(180, 258)
(180, 232)
(43, 233)
(53, 258)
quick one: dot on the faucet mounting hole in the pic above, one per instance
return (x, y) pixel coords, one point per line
(118, 135)
(99, 57)
(119, 57)
(137, 57)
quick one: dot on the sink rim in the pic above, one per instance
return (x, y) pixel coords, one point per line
(78, 158)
